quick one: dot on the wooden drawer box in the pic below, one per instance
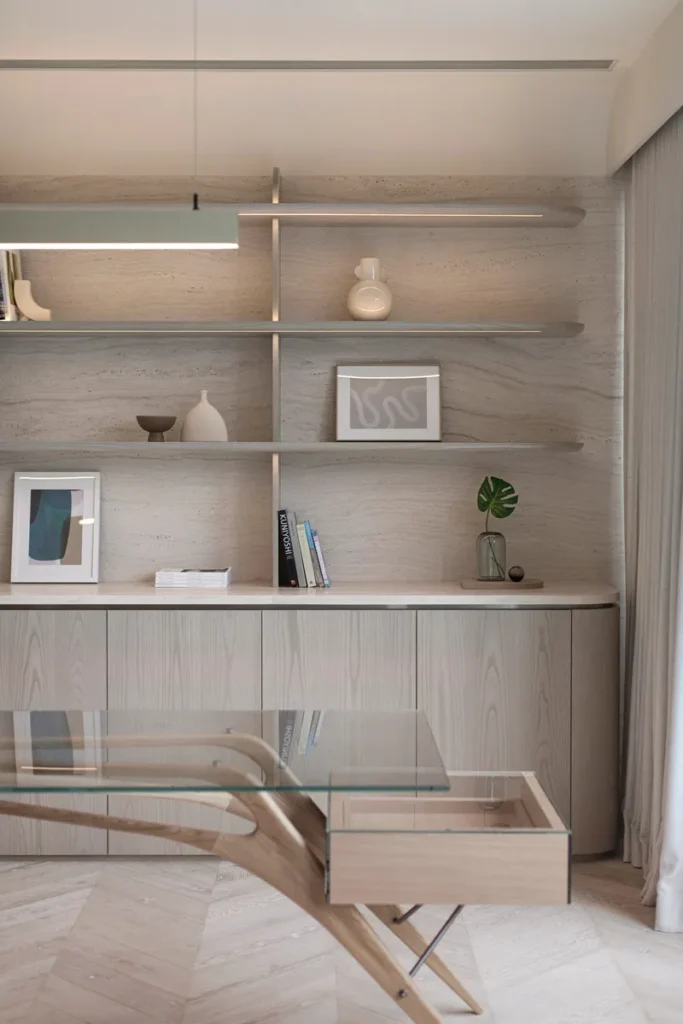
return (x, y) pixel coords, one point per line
(495, 838)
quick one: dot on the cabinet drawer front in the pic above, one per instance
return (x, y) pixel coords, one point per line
(449, 868)
(494, 838)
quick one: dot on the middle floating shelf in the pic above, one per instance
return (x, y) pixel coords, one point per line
(402, 450)
(349, 328)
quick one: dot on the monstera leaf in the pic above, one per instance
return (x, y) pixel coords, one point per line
(497, 497)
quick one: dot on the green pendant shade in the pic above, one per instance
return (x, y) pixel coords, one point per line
(112, 226)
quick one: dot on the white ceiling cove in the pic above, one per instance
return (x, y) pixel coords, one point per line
(493, 122)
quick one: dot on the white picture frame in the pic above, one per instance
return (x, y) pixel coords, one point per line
(386, 413)
(66, 524)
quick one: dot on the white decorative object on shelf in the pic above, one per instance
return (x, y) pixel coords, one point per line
(370, 298)
(204, 423)
(27, 305)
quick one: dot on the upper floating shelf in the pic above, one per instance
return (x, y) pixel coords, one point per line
(386, 328)
(437, 215)
(337, 449)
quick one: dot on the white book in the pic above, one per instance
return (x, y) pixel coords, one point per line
(304, 735)
(200, 578)
(306, 555)
(321, 560)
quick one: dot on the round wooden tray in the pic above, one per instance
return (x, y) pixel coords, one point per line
(526, 584)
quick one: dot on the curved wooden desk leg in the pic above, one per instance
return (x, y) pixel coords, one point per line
(414, 940)
(286, 850)
(310, 822)
(278, 854)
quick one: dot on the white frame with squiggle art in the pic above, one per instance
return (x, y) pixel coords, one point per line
(383, 371)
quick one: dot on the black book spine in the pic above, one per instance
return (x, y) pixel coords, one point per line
(286, 562)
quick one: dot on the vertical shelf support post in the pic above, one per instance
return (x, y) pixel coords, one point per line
(276, 382)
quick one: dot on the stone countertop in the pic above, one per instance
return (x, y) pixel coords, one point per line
(261, 595)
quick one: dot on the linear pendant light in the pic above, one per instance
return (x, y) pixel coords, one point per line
(110, 226)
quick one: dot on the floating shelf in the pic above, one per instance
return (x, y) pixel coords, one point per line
(462, 214)
(238, 449)
(337, 328)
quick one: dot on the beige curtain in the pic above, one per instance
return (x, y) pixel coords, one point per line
(653, 807)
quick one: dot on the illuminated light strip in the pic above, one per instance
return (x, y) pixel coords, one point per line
(387, 376)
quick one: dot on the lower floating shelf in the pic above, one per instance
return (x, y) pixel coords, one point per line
(241, 449)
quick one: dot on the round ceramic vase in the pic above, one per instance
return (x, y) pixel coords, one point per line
(204, 423)
(370, 298)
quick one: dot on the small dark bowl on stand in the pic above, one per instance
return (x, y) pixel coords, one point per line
(156, 426)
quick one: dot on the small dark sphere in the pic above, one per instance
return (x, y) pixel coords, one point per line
(516, 573)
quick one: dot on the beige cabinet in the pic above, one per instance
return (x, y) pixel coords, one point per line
(496, 687)
(174, 661)
(595, 730)
(348, 659)
(53, 660)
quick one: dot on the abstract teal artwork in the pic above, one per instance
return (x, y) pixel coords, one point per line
(55, 529)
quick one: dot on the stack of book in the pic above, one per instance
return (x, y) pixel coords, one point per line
(202, 578)
(9, 270)
(299, 733)
(301, 561)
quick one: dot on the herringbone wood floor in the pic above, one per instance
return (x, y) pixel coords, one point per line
(193, 941)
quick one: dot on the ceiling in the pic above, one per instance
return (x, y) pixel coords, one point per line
(354, 29)
(96, 122)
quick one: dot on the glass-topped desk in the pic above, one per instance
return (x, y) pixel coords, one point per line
(398, 827)
(127, 751)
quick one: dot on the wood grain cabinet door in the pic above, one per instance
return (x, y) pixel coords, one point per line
(180, 660)
(346, 659)
(595, 730)
(53, 660)
(496, 686)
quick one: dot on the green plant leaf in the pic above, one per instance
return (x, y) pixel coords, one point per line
(497, 497)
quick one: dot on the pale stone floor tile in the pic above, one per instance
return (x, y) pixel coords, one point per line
(140, 965)
(224, 948)
(278, 994)
(622, 888)
(227, 963)
(18, 983)
(86, 1005)
(43, 1013)
(155, 892)
(19, 1014)
(590, 990)
(104, 979)
(193, 877)
(144, 926)
(513, 944)
(24, 882)
(40, 922)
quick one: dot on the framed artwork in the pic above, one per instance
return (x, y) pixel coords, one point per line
(56, 528)
(49, 745)
(388, 403)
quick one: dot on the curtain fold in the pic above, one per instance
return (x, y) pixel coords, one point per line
(653, 805)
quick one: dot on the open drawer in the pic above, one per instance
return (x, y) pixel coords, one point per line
(494, 838)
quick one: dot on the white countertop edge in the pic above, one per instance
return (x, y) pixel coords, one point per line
(259, 595)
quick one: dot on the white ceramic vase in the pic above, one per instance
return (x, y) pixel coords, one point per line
(204, 423)
(370, 298)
